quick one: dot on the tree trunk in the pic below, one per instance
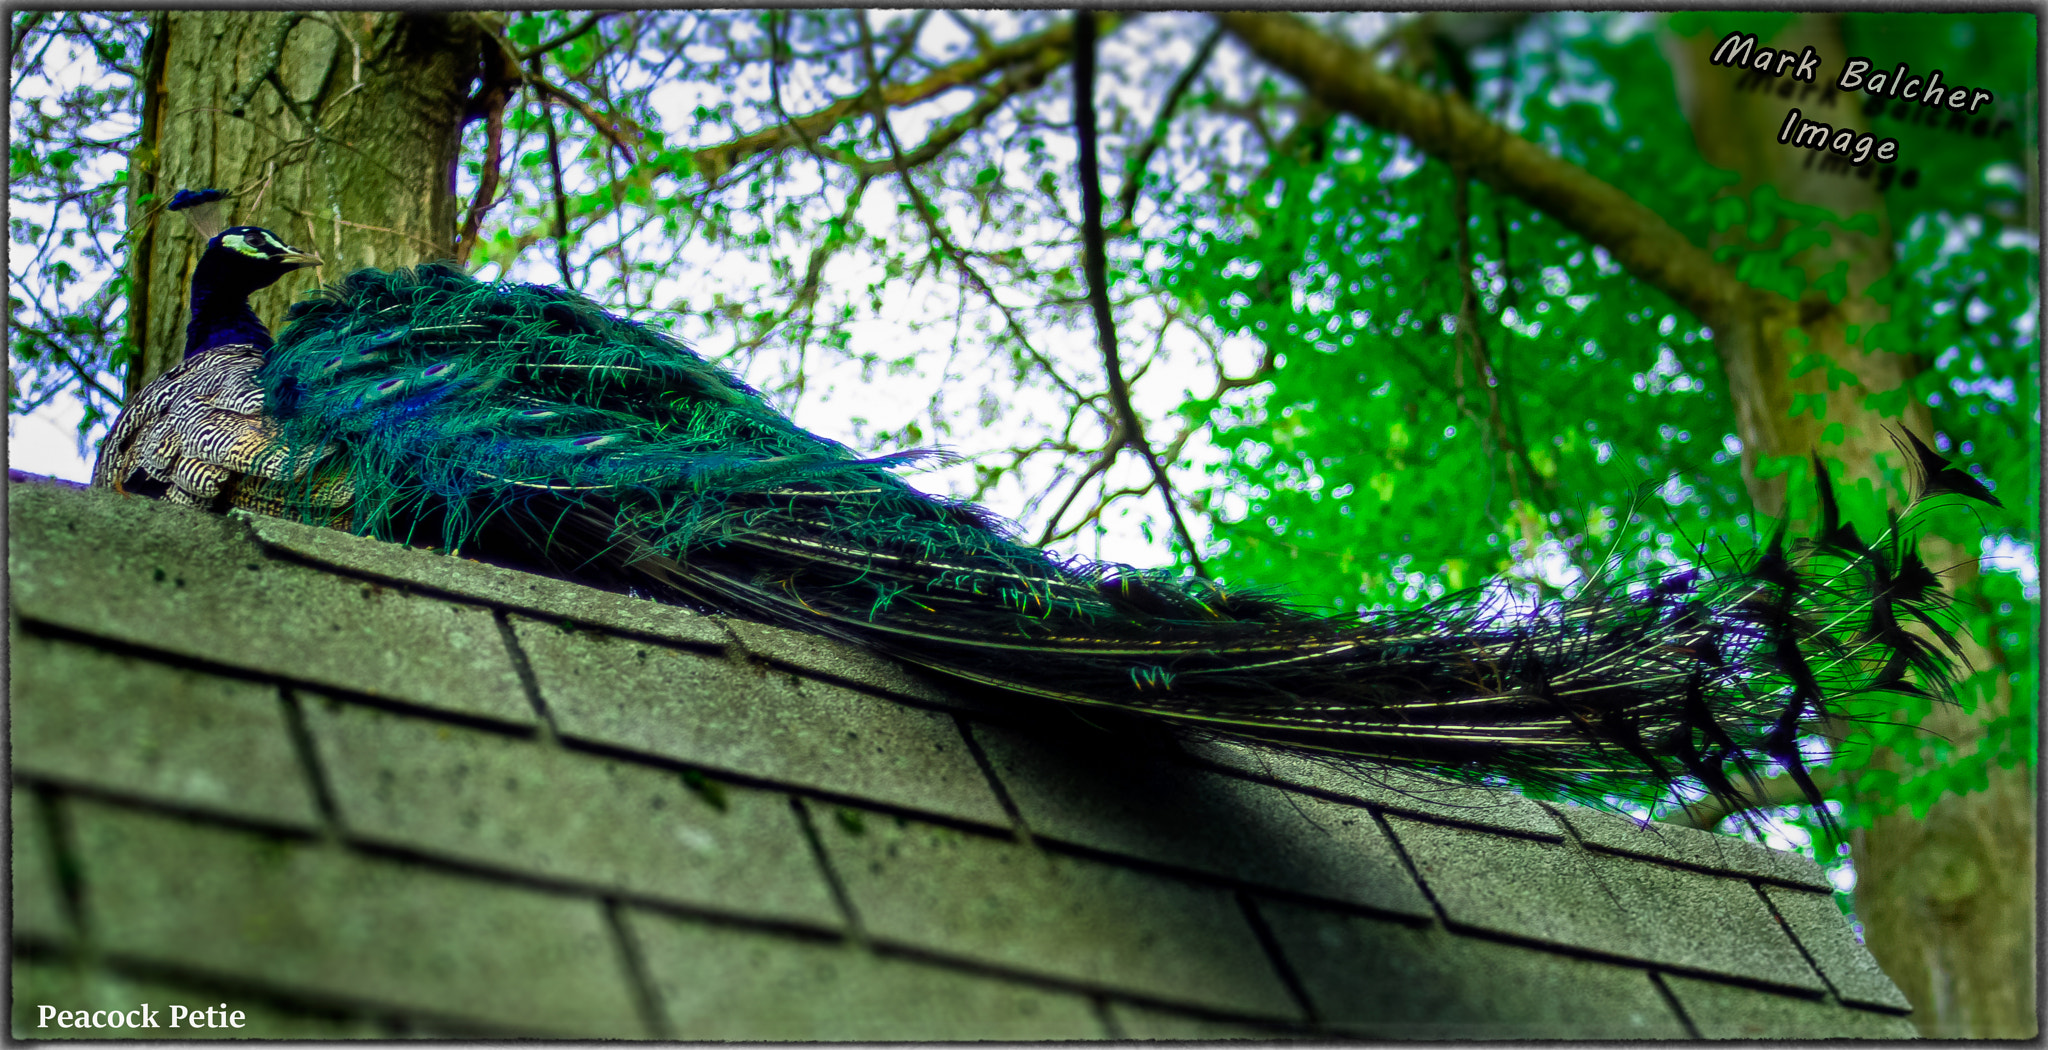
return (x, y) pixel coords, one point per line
(1947, 901)
(338, 131)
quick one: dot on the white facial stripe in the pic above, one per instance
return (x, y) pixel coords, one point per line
(252, 245)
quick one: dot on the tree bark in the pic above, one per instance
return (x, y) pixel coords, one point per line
(345, 144)
(1947, 901)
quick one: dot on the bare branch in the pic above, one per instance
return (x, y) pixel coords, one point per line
(589, 23)
(1028, 62)
(945, 243)
(561, 193)
(1093, 261)
(1344, 78)
(1052, 533)
(615, 129)
(1134, 169)
(1050, 49)
(492, 96)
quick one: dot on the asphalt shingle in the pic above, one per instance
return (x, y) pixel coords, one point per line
(540, 595)
(1106, 795)
(1824, 932)
(832, 658)
(38, 912)
(1703, 849)
(718, 983)
(711, 712)
(1388, 980)
(297, 915)
(196, 584)
(1004, 904)
(1607, 904)
(1137, 1021)
(1727, 1011)
(86, 716)
(1392, 790)
(530, 807)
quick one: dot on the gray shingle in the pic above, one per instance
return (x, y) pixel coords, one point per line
(198, 585)
(1394, 790)
(38, 902)
(1004, 904)
(1726, 1011)
(1631, 909)
(85, 716)
(1103, 793)
(723, 983)
(537, 594)
(711, 712)
(296, 915)
(488, 798)
(1824, 931)
(1685, 845)
(1137, 1021)
(82, 986)
(973, 936)
(836, 659)
(1388, 980)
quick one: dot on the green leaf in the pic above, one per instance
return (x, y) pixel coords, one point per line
(1835, 282)
(1727, 212)
(526, 32)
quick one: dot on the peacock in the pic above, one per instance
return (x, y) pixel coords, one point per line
(524, 425)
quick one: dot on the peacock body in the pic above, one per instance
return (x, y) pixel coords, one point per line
(525, 425)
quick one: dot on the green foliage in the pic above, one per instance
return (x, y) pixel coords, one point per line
(73, 112)
(1379, 470)
(1376, 470)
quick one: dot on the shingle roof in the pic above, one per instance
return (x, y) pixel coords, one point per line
(353, 789)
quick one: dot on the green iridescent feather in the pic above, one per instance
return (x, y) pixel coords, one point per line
(527, 425)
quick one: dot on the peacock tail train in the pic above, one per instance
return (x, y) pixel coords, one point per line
(526, 425)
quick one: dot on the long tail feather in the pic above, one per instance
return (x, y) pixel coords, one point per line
(526, 423)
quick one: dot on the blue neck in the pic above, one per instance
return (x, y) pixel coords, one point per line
(223, 320)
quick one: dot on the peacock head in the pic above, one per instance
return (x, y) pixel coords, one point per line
(237, 262)
(247, 259)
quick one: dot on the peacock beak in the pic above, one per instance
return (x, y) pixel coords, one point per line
(295, 258)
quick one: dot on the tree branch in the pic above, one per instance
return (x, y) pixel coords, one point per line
(1444, 127)
(1030, 59)
(589, 23)
(1134, 169)
(880, 112)
(547, 117)
(491, 96)
(1049, 50)
(1095, 263)
(614, 129)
